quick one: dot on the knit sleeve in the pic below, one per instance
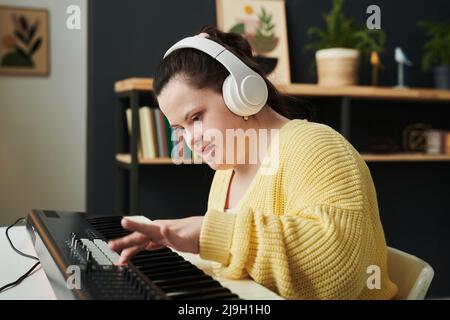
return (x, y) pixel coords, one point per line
(314, 254)
(319, 248)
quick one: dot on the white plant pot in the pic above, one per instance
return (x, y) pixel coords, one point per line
(337, 67)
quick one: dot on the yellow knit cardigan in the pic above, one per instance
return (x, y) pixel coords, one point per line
(311, 230)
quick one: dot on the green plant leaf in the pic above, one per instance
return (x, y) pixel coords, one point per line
(36, 45)
(21, 37)
(32, 32)
(23, 22)
(20, 51)
(339, 31)
(436, 51)
(265, 30)
(238, 28)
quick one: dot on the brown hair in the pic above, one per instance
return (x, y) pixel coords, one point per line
(201, 71)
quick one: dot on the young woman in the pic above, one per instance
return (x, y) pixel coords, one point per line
(309, 229)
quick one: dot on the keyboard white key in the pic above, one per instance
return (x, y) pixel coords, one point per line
(139, 219)
(100, 251)
(103, 246)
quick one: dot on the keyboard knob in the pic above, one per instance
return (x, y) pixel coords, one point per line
(128, 274)
(88, 255)
(132, 279)
(73, 239)
(125, 272)
(148, 293)
(140, 285)
(89, 265)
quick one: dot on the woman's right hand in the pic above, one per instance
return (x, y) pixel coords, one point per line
(179, 234)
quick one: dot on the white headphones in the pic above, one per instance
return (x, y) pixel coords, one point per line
(244, 90)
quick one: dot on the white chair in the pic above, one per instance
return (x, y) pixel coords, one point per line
(412, 275)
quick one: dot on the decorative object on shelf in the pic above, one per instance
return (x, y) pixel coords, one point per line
(382, 145)
(263, 23)
(414, 137)
(339, 46)
(337, 67)
(438, 141)
(436, 52)
(447, 142)
(24, 41)
(402, 61)
(375, 61)
(435, 141)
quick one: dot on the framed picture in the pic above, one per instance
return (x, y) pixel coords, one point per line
(263, 23)
(24, 38)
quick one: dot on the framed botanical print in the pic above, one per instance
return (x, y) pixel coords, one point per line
(263, 23)
(24, 41)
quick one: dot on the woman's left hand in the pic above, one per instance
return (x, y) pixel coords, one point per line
(179, 234)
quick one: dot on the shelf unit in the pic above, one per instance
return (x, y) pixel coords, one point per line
(367, 92)
(125, 159)
(135, 92)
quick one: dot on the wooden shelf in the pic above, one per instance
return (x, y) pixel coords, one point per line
(405, 157)
(142, 84)
(367, 92)
(313, 90)
(400, 157)
(126, 159)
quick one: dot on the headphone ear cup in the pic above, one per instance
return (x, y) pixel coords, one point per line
(231, 98)
(255, 94)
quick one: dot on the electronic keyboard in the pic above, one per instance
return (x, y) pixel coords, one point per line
(73, 250)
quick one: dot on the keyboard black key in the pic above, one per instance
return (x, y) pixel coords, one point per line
(182, 265)
(152, 261)
(182, 279)
(192, 285)
(215, 296)
(197, 294)
(172, 274)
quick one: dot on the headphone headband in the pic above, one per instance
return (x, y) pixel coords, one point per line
(233, 64)
(247, 94)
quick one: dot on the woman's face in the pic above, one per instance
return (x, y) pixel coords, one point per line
(204, 119)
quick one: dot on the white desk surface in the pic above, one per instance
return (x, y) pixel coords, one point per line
(12, 265)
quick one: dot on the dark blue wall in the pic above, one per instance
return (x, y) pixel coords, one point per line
(128, 38)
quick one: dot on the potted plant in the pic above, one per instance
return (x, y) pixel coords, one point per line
(436, 54)
(339, 46)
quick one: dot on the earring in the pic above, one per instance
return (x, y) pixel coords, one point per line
(245, 118)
